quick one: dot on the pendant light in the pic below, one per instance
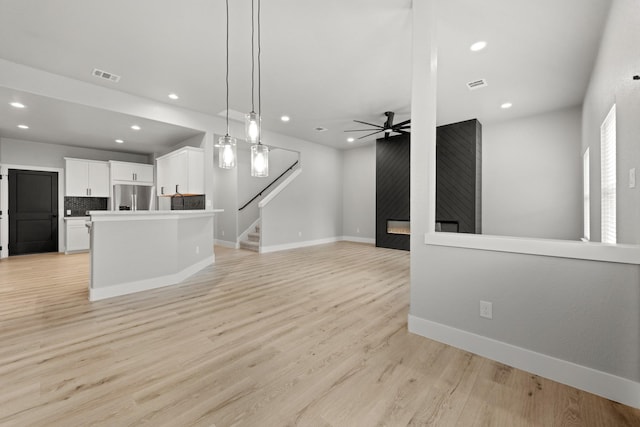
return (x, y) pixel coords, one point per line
(252, 120)
(259, 152)
(227, 144)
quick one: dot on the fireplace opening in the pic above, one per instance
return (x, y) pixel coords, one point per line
(395, 226)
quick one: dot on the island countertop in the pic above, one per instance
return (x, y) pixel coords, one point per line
(150, 215)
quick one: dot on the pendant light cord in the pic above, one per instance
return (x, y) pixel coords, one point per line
(259, 82)
(253, 73)
(227, 75)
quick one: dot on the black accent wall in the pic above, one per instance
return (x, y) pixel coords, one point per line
(459, 176)
(393, 177)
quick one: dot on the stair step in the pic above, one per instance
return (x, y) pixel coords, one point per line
(254, 237)
(252, 246)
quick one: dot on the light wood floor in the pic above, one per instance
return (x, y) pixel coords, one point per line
(310, 337)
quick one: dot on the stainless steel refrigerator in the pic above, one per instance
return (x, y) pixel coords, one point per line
(133, 197)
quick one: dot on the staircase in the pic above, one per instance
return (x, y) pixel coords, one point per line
(253, 241)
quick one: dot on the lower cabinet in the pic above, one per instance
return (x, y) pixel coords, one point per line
(77, 235)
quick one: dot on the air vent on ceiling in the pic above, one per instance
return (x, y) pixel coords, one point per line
(321, 129)
(477, 84)
(105, 75)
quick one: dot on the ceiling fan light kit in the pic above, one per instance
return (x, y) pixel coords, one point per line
(388, 127)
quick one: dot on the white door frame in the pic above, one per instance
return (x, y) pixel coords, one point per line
(4, 204)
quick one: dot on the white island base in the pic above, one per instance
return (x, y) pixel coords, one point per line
(142, 250)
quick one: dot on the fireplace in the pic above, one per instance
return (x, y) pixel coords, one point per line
(395, 226)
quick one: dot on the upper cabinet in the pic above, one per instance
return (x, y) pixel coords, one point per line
(86, 178)
(134, 173)
(181, 172)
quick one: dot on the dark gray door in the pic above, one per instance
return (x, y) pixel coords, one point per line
(33, 212)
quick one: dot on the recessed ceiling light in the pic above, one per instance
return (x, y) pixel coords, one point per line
(173, 96)
(478, 46)
(285, 118)
(506, 105)
(135, 127)
(17, 105)
(321, 129)
(23, 126)
(350, 139)
(119, 141)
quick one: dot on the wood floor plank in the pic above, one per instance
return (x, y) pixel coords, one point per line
(308, 337)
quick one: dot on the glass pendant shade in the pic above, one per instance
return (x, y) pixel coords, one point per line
(252, 127)
(227, 152)
(259, 160)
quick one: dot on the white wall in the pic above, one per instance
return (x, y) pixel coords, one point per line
(359, 193)
(226, 197)
(611, 82)
(21, 152)
(571, 320)
(532, 176)
(310, 209)
(249, 186)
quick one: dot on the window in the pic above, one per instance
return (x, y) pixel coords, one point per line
(586, 203)
(608, 177)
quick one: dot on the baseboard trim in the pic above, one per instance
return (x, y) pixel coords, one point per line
(593, 381)
(296, 245)
(358, 239)
(96, 294)
(226, 244)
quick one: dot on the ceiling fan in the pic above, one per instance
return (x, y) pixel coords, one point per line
(388, 127)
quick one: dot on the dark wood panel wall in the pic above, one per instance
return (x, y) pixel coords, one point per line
(458, 181)
(459, 175)
(393, 177)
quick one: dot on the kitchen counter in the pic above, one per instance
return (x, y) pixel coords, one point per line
(133, 251)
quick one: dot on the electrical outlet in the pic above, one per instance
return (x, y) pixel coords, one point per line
(358, 230)
(486, 309)
(299, 233)
(197, 250)
(632, 178)
(223, 232)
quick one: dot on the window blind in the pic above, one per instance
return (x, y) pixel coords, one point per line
(586, 197)
(608, 177)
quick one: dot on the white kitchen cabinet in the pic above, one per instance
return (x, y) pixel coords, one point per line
(181, 171)
(134, 173)
(77, 235)
(86, 178)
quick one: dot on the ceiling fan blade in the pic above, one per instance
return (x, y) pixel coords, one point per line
(359, 130)
(378, 131)
(402, 123)
(368, 124)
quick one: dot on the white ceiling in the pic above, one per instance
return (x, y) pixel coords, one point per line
(324, 63)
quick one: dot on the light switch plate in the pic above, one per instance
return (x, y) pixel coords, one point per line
(632, 178)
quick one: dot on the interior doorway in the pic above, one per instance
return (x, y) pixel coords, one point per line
(33, 211)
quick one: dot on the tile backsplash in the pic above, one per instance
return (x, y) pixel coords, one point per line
(80, 205)
(187, 202)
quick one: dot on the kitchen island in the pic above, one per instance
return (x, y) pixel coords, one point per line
(133, 251)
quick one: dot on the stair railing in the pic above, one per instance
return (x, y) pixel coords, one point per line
(269, 186)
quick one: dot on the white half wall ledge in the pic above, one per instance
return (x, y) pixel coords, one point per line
(593, 251)
(603, 384)
(96, 294)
